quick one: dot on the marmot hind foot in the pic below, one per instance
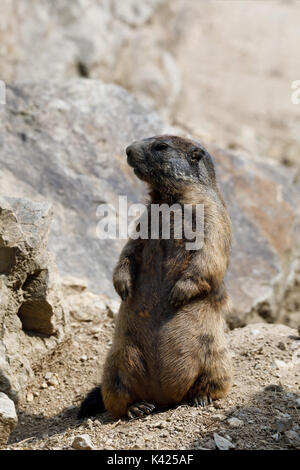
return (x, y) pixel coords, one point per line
(140, 409)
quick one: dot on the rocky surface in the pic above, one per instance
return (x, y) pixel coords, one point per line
(33, 318)
(173, 55)
(72, 137)
(260, 412)
(264, 206)
(8, 418)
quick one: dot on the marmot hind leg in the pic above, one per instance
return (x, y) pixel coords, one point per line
(122, 380)
(207, 388)
(116, 396)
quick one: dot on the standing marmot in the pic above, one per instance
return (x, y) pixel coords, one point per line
(169, 343)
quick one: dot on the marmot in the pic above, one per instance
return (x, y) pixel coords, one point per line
(169, 343)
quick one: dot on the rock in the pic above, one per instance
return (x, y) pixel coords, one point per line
(83, 358)
(209, 444)
(89, 424)
(278, 364)
(293, 437)
(283, 422)
(86, 306)
(29, 397)
(222, 443)
(135, 12)
(112, 308)
(98, 164)
(253, 277)
(255, 332)
(82, 442)
(159, 424)
(8, 418)
(51, 379)
(281, 346)
(274, 388)
(31, 306)
(235, 422)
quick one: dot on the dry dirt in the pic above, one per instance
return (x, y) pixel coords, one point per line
(261, 392)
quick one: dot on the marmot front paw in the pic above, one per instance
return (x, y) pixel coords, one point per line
(123, 283)
(185, 289)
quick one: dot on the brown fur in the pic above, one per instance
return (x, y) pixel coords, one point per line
(169, 343)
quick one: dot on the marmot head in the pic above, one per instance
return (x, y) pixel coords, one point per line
(167, 161)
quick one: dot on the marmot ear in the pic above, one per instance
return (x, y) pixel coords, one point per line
(197, 154)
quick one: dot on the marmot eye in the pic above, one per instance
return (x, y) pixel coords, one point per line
(197, 154)
(160, 146)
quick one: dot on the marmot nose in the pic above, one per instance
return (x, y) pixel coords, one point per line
(129, 151)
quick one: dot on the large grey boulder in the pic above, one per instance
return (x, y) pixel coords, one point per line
(66, 143)
(8, 418)
(45, 40)
(264, 204)
(33, 318)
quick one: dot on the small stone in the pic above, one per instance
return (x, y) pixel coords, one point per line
(112, 307)
(278, 364)
(284, 422)
(36, 394)
(274, 388)
(82, 442)
(219, 416)
(53, 381)
(297, 402)
(178, 428)
(159, 425)
(281, 346)
(235, 422)
(44, 385)
(48, 376)
(275, 436)
(29, 397)
(83, 358)
(293, 437)
(217, 405)
(209, 445)
(89, 424)
(222, 443)
(96, 330)
(255, 332)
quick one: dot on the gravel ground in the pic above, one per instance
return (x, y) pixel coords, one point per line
(262, 410)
